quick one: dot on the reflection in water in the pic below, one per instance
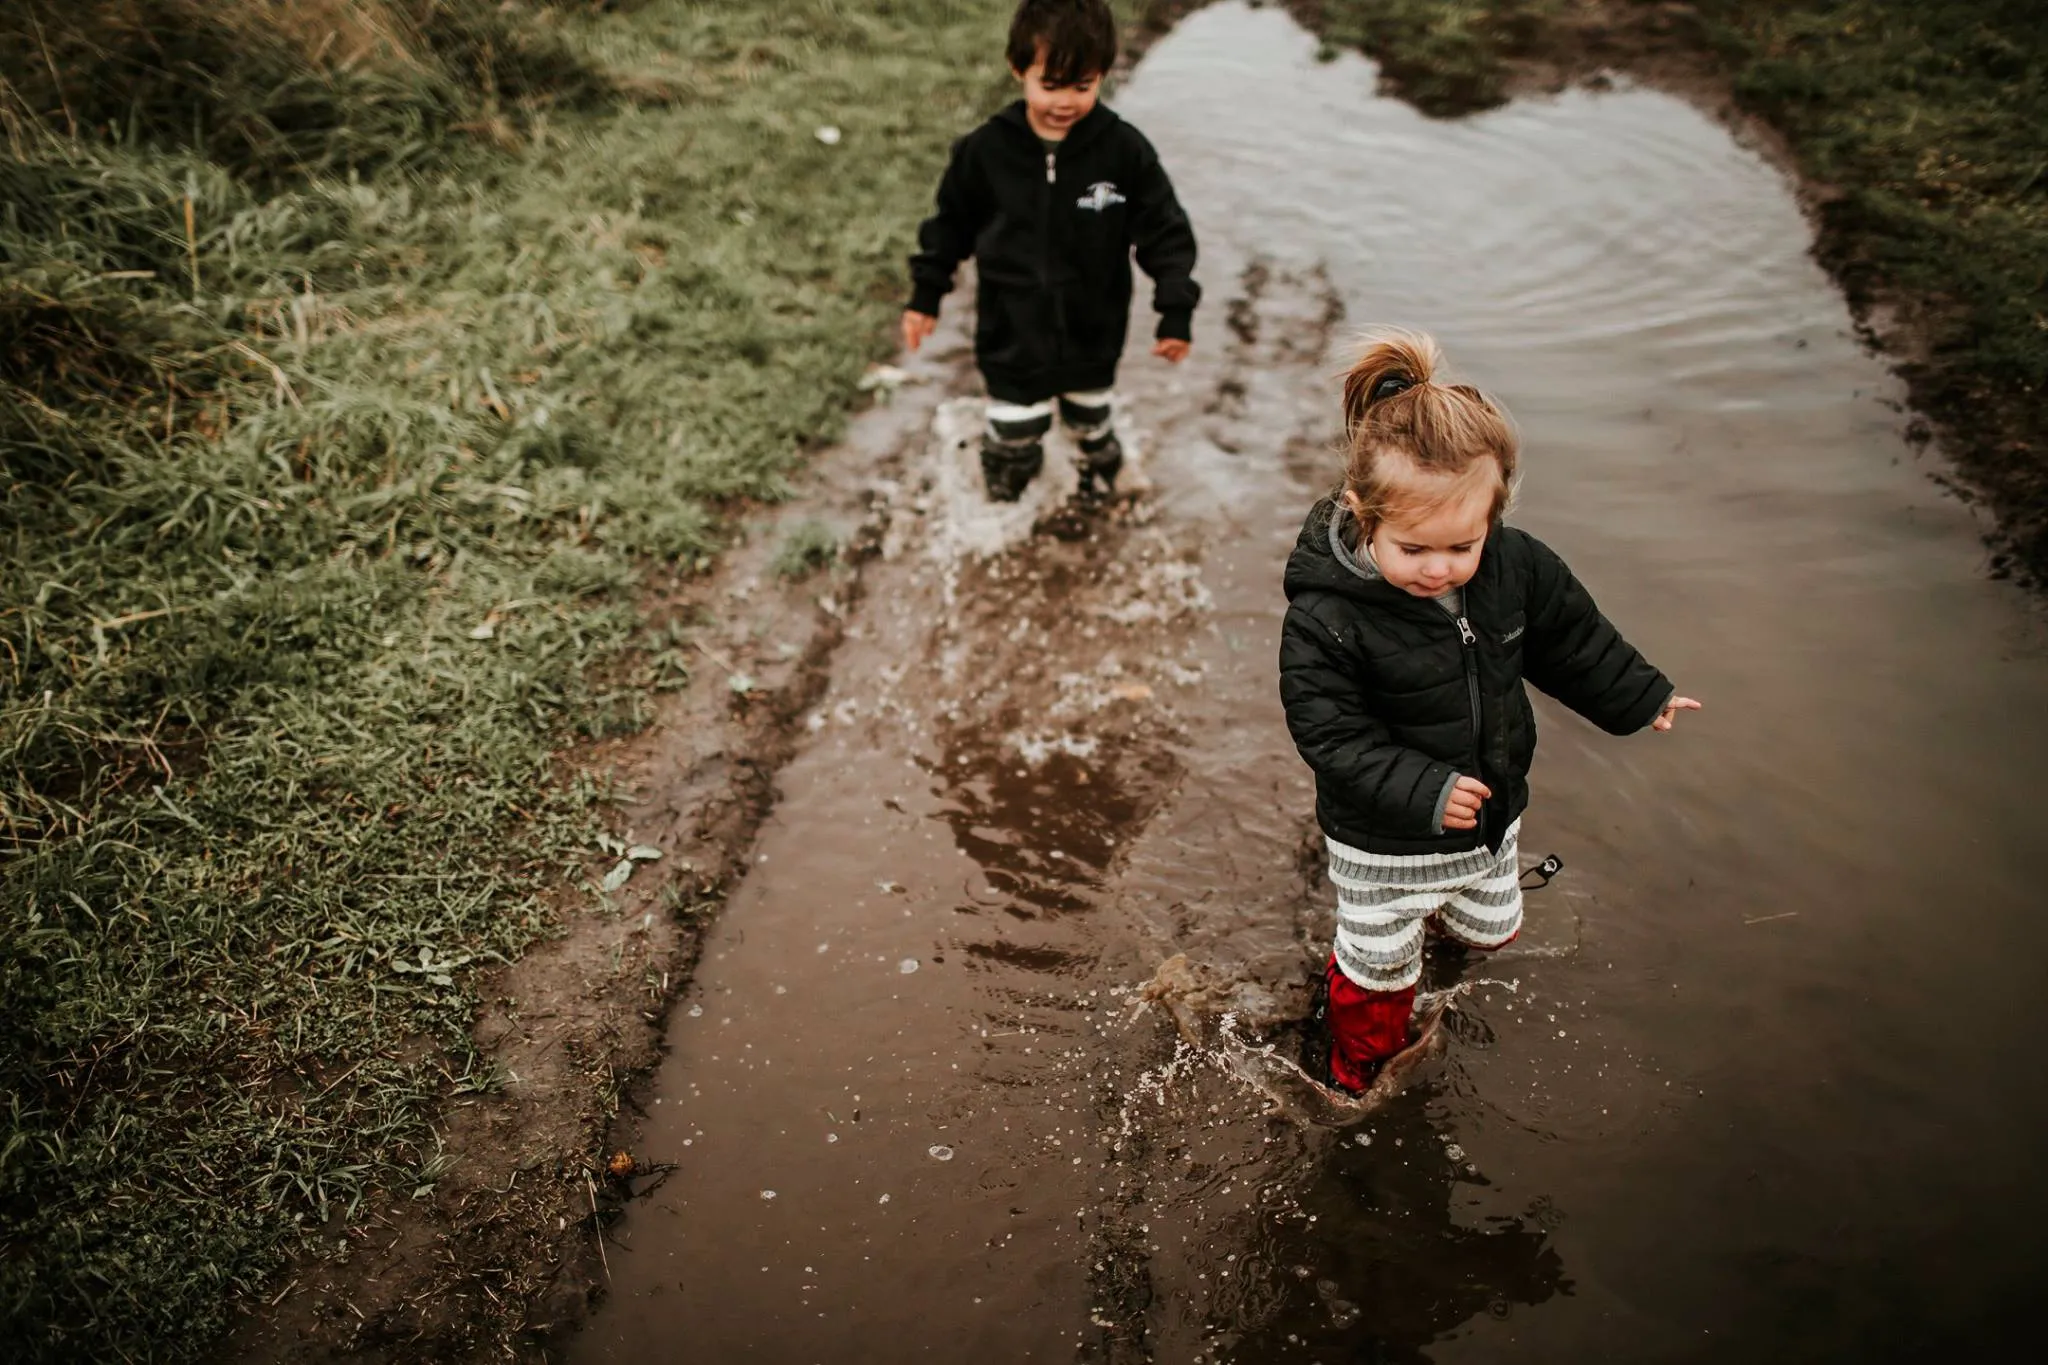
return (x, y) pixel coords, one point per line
(1366, 1242)
(1377, 1263)
(1044, 835)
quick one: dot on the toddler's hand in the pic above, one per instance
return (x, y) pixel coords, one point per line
(916, 327)
(1462, 810)
(1171, 349)
(1671, 710)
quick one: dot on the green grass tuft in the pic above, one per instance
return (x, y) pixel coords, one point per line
(809, 547)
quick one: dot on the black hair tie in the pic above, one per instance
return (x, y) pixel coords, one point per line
(1391, 385)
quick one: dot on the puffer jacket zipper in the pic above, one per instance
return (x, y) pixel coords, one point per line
(1469, 639)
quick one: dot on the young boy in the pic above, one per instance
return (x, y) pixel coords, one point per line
(1050, 197)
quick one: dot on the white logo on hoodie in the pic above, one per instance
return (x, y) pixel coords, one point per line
(1100, 196)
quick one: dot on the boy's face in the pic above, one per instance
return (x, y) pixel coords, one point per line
(1054, 109)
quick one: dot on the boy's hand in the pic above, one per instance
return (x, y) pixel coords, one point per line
(1670, 713)
(1170, 349)
(1462, 810)
(916, 327)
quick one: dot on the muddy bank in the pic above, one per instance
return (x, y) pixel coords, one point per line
(921, 1102)
(501, 1251)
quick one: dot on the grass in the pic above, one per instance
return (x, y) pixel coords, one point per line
(809, 547)
(1446, 57)
(348, 401)
(1922, 119)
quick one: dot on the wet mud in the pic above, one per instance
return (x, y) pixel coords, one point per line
(996, 1050)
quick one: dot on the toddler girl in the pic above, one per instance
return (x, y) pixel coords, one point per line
(1414, 615)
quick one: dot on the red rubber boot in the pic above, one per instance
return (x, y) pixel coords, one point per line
(1366, 1028)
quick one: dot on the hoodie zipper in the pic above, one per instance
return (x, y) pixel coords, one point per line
(1059, 304)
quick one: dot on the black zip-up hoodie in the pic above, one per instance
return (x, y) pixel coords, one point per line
(1390, 698)
(1052, 234)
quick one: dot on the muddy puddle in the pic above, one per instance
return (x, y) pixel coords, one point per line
(1759, 1080)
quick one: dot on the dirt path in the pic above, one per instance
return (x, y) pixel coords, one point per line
(893, 1050)
(914, 1106)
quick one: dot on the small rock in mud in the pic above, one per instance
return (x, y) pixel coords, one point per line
(940, 1153)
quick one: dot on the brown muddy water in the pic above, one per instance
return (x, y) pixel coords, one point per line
(1761, 1079)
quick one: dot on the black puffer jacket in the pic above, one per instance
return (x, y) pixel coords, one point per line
(1389, 699)
(1052, 234)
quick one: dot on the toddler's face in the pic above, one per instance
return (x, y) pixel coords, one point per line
(1053, 109)
(1428, 553)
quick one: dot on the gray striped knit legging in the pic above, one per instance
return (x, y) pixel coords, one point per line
(1384, 899)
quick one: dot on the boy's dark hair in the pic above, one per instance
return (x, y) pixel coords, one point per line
(1078, 37)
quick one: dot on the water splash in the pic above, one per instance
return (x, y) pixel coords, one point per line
(1262, 1068)
(1187, 992)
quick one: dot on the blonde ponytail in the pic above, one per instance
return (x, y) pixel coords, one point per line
(1398, 421)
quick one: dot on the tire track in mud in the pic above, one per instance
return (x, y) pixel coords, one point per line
(1115, 767)
(932, 953)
